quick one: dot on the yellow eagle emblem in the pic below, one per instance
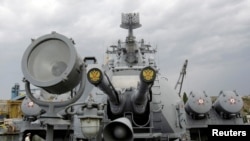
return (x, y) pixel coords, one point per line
(94, 75)
(148, 74)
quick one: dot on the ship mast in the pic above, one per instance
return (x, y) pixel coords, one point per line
(130, 21)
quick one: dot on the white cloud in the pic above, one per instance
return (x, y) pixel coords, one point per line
(213, 35)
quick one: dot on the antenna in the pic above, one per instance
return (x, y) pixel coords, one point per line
(130, 21)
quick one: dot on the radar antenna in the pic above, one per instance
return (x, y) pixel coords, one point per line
(130, 21)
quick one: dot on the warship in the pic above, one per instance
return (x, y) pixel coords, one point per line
(126, 98)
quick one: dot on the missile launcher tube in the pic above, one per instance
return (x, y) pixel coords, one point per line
(198, 103)
(228, 102)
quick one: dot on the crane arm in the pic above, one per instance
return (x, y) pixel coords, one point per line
(181, 77)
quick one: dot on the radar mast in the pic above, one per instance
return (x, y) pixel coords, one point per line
(130, 21)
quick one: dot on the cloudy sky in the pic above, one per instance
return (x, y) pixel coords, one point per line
(214, 35)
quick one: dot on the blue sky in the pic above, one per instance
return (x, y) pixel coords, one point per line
(213, 35)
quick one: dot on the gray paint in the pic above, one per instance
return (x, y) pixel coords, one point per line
(160, 113)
